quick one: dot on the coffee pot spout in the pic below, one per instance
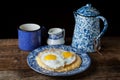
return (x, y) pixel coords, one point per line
(75, 14)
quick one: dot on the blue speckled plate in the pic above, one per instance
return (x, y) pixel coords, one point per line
(86, 61)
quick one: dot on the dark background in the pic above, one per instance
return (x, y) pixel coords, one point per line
(56, 13)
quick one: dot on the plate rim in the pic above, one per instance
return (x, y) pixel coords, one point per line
(37, 50)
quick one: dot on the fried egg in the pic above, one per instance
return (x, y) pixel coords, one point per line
(69, 57)
(57, 58)
(52, 59)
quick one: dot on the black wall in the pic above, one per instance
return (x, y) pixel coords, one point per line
(56, 14)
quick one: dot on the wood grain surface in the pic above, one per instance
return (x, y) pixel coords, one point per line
(13, 64)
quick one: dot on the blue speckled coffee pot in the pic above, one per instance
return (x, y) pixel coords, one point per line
(87, 33)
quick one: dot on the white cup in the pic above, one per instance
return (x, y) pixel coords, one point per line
(56, 36)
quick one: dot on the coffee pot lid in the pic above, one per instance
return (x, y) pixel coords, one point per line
(88, 10)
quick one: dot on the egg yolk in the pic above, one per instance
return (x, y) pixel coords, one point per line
(50, 57)
(67, 54)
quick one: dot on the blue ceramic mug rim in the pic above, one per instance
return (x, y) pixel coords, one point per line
(19, 28)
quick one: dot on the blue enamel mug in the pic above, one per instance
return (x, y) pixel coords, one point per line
(29, 36)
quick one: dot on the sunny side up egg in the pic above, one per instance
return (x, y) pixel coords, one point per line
(57, 58)
(52, 59)
(69, 57)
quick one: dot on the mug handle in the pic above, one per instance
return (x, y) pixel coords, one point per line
(96, 41)
(44, 35)
(63, 33)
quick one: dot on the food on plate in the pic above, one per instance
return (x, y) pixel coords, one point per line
(58, 60)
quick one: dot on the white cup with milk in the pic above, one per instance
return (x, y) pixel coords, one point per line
(56, 36)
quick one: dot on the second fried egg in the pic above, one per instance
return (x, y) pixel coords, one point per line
(69, 57)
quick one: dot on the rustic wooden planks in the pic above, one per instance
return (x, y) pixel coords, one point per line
(13, 65)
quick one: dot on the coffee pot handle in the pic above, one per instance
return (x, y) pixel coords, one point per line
(96, 41)
(104, 28)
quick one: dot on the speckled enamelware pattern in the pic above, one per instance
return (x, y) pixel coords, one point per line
(87, 28)
(88, 10)
(86, 61)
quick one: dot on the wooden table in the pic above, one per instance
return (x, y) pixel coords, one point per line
(13, 65)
